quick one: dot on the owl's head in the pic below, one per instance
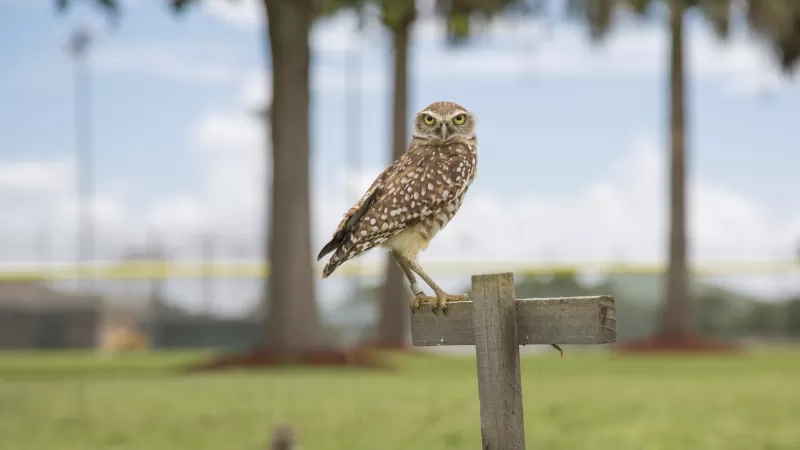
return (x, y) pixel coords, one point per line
(444, 121)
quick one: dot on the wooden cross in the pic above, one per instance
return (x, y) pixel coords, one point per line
(496, 323)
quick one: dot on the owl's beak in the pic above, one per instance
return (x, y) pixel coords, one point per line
(444, 131)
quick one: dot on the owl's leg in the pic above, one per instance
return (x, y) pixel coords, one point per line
(442, 297)
(419, 294)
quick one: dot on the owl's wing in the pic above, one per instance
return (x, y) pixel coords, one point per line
(357, 211)
(414, 187)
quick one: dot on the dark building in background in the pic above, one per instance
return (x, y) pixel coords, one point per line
(34, 316)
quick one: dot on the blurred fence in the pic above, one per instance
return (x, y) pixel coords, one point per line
(255, 269)
(186, 304)
(193, 332)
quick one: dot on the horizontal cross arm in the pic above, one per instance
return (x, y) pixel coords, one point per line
(561, 320)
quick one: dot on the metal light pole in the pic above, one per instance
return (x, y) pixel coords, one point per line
(797, 262)
(352, 106)
(78, 47)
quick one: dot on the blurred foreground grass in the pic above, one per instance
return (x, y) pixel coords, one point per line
(592, 401)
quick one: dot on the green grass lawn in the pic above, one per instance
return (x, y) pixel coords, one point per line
(583, 401)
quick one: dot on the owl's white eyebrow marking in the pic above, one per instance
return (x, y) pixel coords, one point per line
(431, 113)
(457, 113)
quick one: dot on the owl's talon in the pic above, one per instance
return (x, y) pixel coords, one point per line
(418, 300)
(442, 299)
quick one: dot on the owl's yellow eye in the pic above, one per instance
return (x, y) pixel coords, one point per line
(459, 119)
(428, 119)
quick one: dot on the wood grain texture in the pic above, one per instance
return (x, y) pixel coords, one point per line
(497, 351)
(562, 320)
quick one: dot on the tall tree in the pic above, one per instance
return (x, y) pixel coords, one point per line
(293, 323)
(676, 313)
(397, 16)
(779, 22)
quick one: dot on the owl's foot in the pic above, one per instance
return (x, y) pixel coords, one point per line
(419, 299)
(442, 298)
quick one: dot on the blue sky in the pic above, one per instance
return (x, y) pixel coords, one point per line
(572, 136)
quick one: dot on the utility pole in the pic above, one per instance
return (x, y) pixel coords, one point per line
(155, 253)
(78, 48)
(43, 247)
(797, 251)
(207, 257)
(263, 113)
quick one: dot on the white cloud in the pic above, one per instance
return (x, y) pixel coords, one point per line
(622, 214)
(257, 90)
(619, 217)
(25, 177)
(38, 197)
(231, 150)
(178, 215)
(225, 134)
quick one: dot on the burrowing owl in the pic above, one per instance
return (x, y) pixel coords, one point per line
(414, 198)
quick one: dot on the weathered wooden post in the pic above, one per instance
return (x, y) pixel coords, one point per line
(497, 323)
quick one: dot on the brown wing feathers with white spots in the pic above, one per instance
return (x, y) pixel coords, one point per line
(346, 241)
(354, 214)
(350, 219)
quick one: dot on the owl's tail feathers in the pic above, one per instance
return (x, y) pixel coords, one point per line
(330, 246)
(336, 244)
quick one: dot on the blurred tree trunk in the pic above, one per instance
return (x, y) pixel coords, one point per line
(676, 313)
(293, 323)
(393, 324)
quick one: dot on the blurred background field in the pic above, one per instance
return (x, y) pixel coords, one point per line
(587, 400)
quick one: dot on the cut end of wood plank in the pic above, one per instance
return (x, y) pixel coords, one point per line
(567, 320)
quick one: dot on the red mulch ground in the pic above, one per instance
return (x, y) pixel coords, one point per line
(689, 344)
(399, 348)
(391, 347)
(355, 357)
